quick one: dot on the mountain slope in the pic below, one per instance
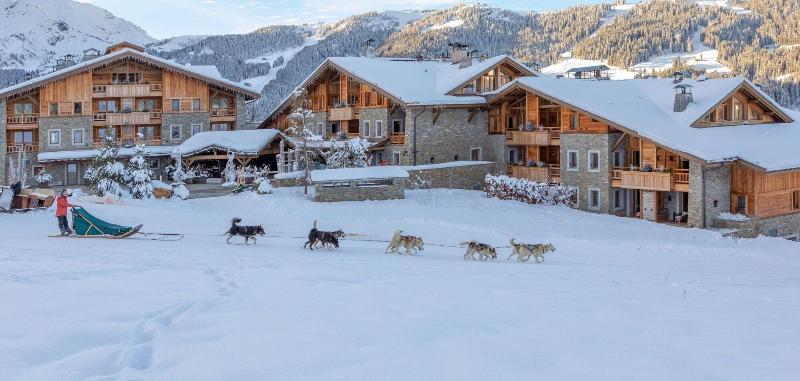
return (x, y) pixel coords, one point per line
(35, 32)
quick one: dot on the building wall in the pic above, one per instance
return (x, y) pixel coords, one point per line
(316, 118)
(65, 124)
(3, 161)
(374, 115)
(241, 114)
(354, 193)
(450, 138)
(717, 192)
(185, 120)
(59, 172)
(469, 177)
(582, 178)
(779, 226)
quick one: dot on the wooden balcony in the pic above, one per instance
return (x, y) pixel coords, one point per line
(336, 114)
(544, 137)
(123, 118)
(17, 148)
(397, 139)
(129, 90)
(537, 174)
(227, 114)
(22, 120)
(126, 142)
(677, 180)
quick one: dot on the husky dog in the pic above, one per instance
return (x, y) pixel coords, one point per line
(408, 242)
(248, 232)
(524, 252)
(484, 251)
(326, 239)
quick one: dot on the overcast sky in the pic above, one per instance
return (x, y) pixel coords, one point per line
(168, 18)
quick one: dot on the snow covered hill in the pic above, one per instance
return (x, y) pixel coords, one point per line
(35, 32)
(621, 299)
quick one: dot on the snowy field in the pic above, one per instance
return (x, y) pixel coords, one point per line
(622, 299)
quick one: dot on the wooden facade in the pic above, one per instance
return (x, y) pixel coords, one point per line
(756, 193)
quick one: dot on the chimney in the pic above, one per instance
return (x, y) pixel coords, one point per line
(683, 96)
(367, 50)
(678, 76)
(458, 52)
(467, 61)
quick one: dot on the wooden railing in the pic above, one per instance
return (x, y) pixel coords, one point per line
(538, 174)
(120, 118)
(616, 173)
(22, 119)
(228, 111)
(680, 176)
(397, 138)
(17, 148)
(555, 173)
(654, 181)
(532, 137)
(127, 90)
(341, 113)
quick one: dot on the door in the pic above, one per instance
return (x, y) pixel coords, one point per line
(72, 174)
(649, 205)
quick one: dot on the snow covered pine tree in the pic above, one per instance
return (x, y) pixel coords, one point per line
(106, 175)
(301, 132)
(139, 175)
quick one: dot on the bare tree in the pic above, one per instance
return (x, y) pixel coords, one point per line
(301, 132)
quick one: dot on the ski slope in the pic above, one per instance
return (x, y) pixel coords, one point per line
(621, 299)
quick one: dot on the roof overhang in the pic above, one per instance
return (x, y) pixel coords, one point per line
(756, 93)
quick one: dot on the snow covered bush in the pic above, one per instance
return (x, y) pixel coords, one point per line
(43, 178)
(179, 177)
(264, 186)
(348, 154)
(139, 176)
(509, 188)
(230, 170)
(106, 176)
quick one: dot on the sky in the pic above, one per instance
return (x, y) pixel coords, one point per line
(169, 18)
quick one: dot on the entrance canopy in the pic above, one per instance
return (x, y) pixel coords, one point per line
(215, 145)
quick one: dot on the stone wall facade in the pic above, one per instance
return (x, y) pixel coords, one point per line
(451, 138)
(779, 226)
(3, 131)
(66, 125)
(583, 179)
(469, 177)
(356, 193)
(241, 114)
(185, 120)
(713, 198)
(59, 172)
(319, 118)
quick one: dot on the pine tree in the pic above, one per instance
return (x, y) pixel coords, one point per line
(106, 175)
(139, 174)
(348, 154)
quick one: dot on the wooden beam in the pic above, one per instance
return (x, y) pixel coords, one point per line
(472, 114)
(437, 113)
(618, 142)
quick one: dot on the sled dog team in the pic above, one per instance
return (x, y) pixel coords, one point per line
(411, 244)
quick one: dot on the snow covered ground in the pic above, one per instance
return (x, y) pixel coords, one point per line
(622, 299)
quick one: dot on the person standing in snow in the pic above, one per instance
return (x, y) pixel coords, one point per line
(62, 203)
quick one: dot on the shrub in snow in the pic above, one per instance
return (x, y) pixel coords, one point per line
(264, 187)
(347, 154)
(179, 176)
(106, 176)
(139, 176)
(509, 188)
(43, 178)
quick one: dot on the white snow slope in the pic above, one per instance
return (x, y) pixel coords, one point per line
(36, 32)
(621, 299)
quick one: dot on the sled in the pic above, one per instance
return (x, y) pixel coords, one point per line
(86, 225)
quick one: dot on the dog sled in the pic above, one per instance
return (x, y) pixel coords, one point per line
(85, 225)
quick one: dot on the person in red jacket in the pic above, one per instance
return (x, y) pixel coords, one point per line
(62, 203)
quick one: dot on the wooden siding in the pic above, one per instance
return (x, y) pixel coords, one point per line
(179, 86)
(768, 194)
(65, 92)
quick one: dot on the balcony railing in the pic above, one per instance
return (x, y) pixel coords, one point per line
(397, 139)
(127, 90)
(680, 176)
(653, 181)
(22, 119)
(537, 174)
(227, 111)
(533, 137)
(121, 118)
(17, 148)
(341, 113)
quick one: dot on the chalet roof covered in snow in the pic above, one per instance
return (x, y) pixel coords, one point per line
(645, 108)
(242, 142)
(87, 154)
(201, 72)
(353, 174)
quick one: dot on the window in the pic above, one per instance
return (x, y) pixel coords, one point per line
(175, 132)
(476, 153)
(378, 128)
(77, 136)
(397, 127)
(574, 121)
(145, 105)
(195, 104)
(741, 204)
(396, 158)
(23, 137)
(772, 233)
(572, 160)
(796, 199)
(196, 128)
(618, 199)
(594, 198)
(147, 132)
(219, 127)
(319, 129)
(377, 158)
(219, 102)
(107, 106)
(618, 161)
(594, 161)
(77, 108)
(365, 133)
(176, 105)
(53, 109)
(54, 137)
(23, 108)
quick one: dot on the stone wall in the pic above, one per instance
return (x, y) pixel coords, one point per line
(185, 120)
(65, 124)
(470, 177)
(59, 172)
(779, 226)
(3, 161)
(356, 193)
(717, 192)
(373, 115)
(319, 117)
(241, 114)
(582, 178)
(451, 138)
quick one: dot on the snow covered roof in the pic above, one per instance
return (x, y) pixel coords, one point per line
(197, 72)
(588, 68)
(645, 107)
(366, 173)
(87, 154)
(243, 142)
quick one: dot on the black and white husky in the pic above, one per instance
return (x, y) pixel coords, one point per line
(327, 239)
(248, 232)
